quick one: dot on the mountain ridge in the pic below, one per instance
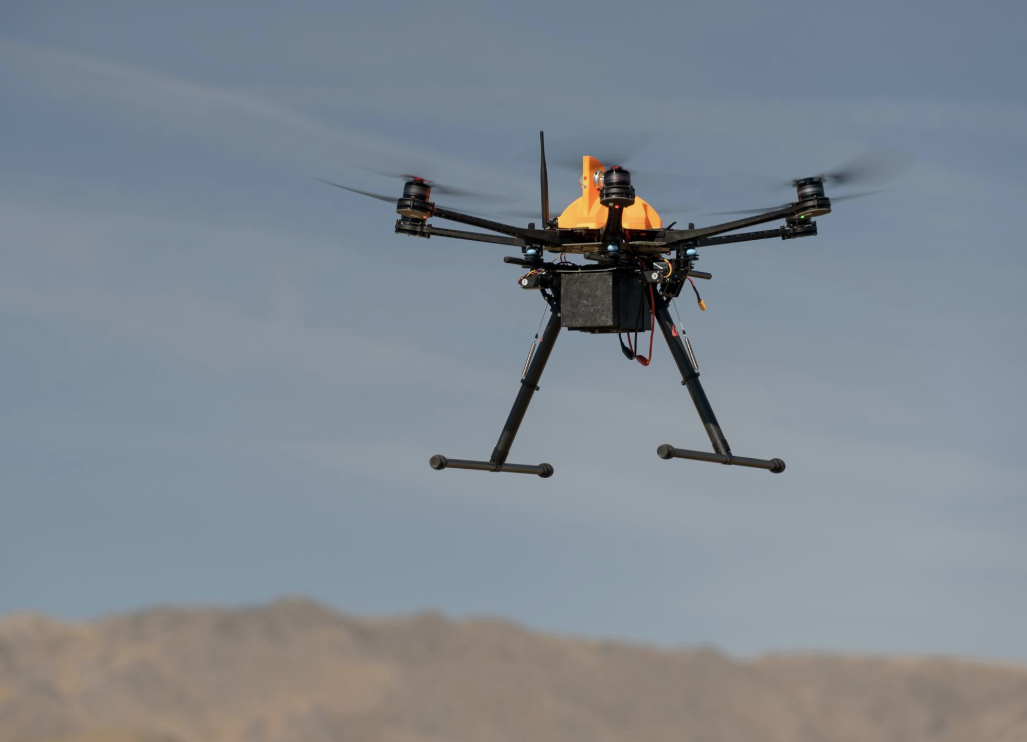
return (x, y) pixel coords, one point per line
(298, 670)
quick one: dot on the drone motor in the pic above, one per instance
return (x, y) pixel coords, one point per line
(811, 195)
(415, 203)
(617, 190)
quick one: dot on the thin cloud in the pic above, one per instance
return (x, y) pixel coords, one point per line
(222, 116)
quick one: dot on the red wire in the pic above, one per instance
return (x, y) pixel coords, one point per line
(652, 329)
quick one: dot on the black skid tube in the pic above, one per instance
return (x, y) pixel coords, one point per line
(439, 463)
(667, 451)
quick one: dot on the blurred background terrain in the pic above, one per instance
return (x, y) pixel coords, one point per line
(295, 670)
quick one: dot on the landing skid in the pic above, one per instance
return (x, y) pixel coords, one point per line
(680, 349)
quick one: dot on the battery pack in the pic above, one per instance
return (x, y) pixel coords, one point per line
(604, 301)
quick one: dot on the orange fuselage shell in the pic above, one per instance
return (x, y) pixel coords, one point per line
(587, 213)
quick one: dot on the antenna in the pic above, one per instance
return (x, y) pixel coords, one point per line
(544, 177)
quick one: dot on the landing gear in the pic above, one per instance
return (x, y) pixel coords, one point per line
(529, 385)
(681, 349)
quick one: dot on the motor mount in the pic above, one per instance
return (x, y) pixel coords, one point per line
(412, 227)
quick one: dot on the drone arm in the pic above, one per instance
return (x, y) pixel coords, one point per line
(787, 232)
(682, 236)
(763, 234)
(459, 234)
(533, 235)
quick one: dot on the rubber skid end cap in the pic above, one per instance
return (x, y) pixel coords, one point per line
(779, 466)
(666, 451)
(438, 462)
(547, 471)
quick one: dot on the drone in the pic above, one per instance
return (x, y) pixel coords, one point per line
(635, 268)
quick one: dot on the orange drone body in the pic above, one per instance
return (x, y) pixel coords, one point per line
(587, 213)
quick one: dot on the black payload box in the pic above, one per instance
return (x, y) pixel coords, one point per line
(604, 301)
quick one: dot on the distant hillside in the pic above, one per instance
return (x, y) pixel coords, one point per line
(296, 671)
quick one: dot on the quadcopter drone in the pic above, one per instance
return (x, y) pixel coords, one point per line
(636, 267)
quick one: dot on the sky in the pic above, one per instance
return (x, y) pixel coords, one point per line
(223, 380)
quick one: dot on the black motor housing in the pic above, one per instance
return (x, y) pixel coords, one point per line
(810, 192)
(415, 203)
(617, 189)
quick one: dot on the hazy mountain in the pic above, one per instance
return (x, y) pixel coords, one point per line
(297, 671)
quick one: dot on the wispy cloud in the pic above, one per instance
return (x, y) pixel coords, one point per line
(221, 116)
(697, 120)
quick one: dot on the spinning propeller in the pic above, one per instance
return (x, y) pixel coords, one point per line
(434, 185)
(874, 167)
(379, 196)
(415, 187)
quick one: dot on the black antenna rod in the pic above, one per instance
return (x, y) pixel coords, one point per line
(544, 176)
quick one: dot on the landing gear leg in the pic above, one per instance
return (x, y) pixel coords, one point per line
(681, 350)
(529, 385)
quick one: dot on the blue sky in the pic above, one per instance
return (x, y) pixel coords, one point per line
(223, 380)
